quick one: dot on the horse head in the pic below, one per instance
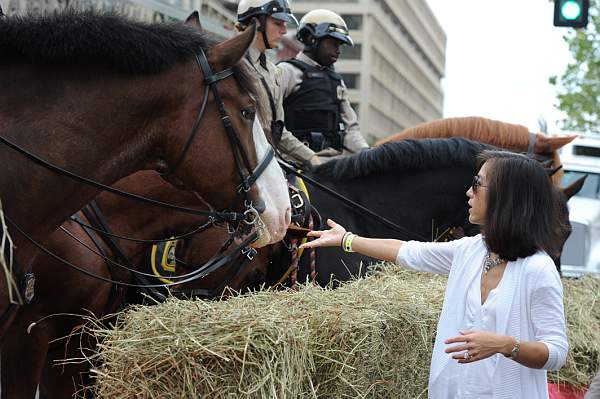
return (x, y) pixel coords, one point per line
(237, 161)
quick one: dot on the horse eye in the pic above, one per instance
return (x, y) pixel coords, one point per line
(248, 113)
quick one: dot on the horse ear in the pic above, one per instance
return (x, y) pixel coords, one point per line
(226, 54)
(545, 144)
(574, 187)
(194, 20)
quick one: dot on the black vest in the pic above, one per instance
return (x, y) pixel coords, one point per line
(312, 113)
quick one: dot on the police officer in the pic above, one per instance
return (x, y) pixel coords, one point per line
(271, 17)
(316, 105)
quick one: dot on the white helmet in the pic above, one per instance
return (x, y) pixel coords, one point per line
(319, 23)
(278, 9)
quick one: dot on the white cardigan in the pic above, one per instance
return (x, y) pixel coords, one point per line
(530, 307)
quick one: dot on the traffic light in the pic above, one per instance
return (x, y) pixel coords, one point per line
(572, 13)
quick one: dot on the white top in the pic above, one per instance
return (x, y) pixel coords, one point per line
(527, 304)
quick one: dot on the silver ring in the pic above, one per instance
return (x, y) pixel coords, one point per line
(466, 355)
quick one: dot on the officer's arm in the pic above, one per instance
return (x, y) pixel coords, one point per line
(293, 147)
(354, 140)
(289, 80)
(289, 144)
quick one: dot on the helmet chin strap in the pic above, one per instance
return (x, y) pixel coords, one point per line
(263, 30)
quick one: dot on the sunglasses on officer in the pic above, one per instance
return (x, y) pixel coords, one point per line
(476, 183)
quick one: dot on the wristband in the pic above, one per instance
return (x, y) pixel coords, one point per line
(347, 242)
(344, 239)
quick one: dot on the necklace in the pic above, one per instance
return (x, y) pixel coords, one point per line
(490, 263)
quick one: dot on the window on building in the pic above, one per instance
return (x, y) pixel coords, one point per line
(353, 21)
(352, 80)
(351, 53)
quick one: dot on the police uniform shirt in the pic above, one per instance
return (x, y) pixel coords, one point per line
(289, 144)
(291, 80)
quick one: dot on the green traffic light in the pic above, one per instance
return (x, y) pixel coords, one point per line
(571, 10)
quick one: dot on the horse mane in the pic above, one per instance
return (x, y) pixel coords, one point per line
(500, 134)
(505, 135)
(405, 155)
(98, 38)
(95, 38)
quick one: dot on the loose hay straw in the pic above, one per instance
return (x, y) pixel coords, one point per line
(368, 338)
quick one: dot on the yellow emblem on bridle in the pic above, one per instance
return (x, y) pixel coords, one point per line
(163, 261)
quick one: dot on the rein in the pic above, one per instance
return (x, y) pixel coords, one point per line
(213, 264)
(356, 207)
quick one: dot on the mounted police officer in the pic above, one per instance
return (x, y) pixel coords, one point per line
(271, 17)
(317, 109)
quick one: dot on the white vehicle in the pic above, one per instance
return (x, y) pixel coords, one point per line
(581, 253)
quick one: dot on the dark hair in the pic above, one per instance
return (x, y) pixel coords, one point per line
(424, 154)
(523, 207)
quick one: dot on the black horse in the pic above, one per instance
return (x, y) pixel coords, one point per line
(419, 185)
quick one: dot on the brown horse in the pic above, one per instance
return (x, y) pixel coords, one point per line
(510, 136)
(29, 353)
(103, 97)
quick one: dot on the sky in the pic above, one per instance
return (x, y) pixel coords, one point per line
(499, 56)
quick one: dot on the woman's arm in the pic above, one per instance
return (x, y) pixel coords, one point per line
(432, 257)
(550, 346)
(383, 249)
(483, 344)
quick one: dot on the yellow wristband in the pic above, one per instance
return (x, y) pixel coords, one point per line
(347, 244)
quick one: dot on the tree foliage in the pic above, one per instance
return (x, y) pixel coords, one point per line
(578, 89)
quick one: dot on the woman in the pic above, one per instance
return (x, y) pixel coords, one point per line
(502, 323)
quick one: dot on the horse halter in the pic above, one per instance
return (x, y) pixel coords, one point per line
(242, 162)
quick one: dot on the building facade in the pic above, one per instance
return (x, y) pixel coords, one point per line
(395, 68)
(214, 16)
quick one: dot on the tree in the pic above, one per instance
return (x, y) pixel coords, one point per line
(578, 89)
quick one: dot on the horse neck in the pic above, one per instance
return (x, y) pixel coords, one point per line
(130, 218)
(91, 122)
(412, 199)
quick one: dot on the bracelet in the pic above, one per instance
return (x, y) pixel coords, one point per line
(344, 239)
(514, 353)
(347, 241)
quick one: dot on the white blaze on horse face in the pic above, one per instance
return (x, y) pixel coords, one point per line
(272, 189)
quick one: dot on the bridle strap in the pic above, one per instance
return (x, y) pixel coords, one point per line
(260, 168)
(94, 214)
(210, 266)
(191, 137)
(222, 216)
(210, 80)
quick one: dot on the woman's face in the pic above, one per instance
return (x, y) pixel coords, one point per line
(477, 194)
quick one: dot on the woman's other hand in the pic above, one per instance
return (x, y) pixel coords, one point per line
(326, 238)
(479, 345)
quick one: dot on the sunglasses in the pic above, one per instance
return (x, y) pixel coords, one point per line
(476, 183)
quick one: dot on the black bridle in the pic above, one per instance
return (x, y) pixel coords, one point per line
(241, 157)
(247, 174)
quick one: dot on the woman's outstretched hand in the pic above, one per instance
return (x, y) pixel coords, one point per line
(326, 238)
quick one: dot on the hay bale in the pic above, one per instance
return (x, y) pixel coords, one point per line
(369, 338)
